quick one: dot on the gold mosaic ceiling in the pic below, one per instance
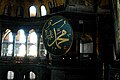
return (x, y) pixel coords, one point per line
(26, 5)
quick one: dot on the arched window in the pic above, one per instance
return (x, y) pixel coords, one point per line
(19, 12)
(7, 10)
(50, 6)
(86, 44)
(32, 11)
(32, 75)
(10, 75)
(20, 43)
(32, 44)
(43, 10)
(7, 43)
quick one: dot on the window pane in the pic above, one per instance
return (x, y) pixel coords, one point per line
(33, 37)
(43, 10)
(10, 39)
(33, 51)
(21, 51)
(10, 50)
(86, 47)
(22, 36)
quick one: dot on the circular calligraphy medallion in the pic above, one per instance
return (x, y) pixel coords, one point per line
(57, 35)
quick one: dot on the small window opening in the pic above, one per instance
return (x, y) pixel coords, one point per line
(10, 75)
(43, 10)
(32, 75)
(86, 44)
(32, 11)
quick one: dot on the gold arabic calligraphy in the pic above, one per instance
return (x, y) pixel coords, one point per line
(57, 39)
(61, 40)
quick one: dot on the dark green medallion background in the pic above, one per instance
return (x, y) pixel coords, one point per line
(57, 35)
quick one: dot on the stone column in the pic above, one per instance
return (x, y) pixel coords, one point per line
(118, 31)
(38, 43)
(14, 39)
(26, 42)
